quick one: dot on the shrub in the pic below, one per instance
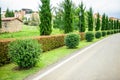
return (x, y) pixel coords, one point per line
(25, 53)
(4, 59)
(103, 33)
(98, 35)
(89, 36)
(108, 33)
(72, 40)
(115, 31)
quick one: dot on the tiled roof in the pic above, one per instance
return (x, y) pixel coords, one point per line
(10, 19)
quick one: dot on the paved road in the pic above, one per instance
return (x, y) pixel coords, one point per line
(98, 62)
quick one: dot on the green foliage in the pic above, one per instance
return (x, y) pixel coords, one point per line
(103, 22)
(104, 33)
(58, 21)
(111, 25)
(90, 20)
(9, 13)
(98, 35)
(72, 40)
(68, 16)
(45, 18)
(89, 36)
(108, 32)
(107, 24)
(97, 28)
(25, 53)
(0, 19)
(81, 18)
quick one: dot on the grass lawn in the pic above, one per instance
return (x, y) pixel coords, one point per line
(27, 31)
(8, 71)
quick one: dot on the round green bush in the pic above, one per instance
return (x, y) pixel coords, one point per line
(89, 36)
(98, 35)
(108, 33)
(72, 40)
(103, 33)
(25, 53)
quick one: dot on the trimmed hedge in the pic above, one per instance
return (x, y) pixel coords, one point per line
(4, 59)
(47, 43)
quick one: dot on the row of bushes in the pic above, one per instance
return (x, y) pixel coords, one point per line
(26, 52)
(91, 35)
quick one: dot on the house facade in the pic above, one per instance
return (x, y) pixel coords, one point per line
(11, 24)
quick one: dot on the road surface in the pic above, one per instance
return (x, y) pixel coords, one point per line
(100, 61)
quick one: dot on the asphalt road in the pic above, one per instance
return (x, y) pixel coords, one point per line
(100, 61)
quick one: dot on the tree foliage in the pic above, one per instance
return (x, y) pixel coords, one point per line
(97, 28)
(68, 16)
(9, 13)
(45, 18)
(81, 14)
(90, 20)
(103, 22)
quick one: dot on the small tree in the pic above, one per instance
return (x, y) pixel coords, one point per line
(68, 16)
(98, 23)
(45, 18)
(90, 20)
(81, 18)
(0, 19)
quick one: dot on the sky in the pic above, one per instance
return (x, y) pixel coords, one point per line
(110, 7)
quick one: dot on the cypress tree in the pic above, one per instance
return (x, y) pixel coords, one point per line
(107, 23)
(98, 23)
(0, 19)
(68, 16)
(9, 13)
(103, 22)
(117, 24)
(90, 20)
(45, 18)
(81, 18)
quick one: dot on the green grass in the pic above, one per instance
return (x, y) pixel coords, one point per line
(27, 31)
(8, 72)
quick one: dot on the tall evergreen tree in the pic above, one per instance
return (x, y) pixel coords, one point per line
(82, 18)
(107, 23)
(68, 16)
(103, 22)
(111, 24)
(117, 24)
(45, 18)
(97, 28)
(0, 19)
(90, 20)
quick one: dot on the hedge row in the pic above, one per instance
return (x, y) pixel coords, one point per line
(47, 42)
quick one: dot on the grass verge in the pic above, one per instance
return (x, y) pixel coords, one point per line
(8, 72)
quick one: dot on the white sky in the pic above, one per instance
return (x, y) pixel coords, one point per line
(110, 7)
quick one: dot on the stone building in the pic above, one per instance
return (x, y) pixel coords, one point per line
(11, 24)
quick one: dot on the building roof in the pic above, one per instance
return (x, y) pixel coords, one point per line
(11, 19)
